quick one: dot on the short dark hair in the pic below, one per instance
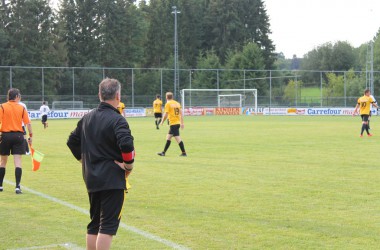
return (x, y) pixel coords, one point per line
(108, 89)
(43, 102)
(366, 91)
(13, 93)
(158, 96)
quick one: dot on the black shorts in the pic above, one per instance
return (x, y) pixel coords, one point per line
(174, 130)
(44, 118)
(157, 115)
(365, 118)
(105, 211)
(12, 143)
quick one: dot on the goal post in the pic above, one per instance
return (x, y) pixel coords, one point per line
(212, 98)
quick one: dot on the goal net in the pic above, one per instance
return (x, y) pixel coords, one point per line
(212, 98)
(234, 100)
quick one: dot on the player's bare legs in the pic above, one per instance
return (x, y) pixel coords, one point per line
(168, 142)
(18, 172)
(98, 242)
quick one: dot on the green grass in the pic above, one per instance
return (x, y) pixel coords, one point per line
(249, 182)
(311, 92)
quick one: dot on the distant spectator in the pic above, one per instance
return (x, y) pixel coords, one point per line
(44, 111)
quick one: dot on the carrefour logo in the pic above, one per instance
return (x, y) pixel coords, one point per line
(326, 111)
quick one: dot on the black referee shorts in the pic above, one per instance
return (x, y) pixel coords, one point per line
(105, 211)
(12, 143)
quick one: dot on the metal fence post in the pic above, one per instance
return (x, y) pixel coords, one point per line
(73, 78)
(320, 76)
(161, 82)
(270, 90)
(10, 77)
(345, 96)
(133, 91)
(43, 84)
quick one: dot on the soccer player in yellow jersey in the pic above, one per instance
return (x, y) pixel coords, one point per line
(174, 114)
(157, 109)
(121, 108)
(364, 103)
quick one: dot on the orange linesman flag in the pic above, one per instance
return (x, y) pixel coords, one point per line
(37, 157)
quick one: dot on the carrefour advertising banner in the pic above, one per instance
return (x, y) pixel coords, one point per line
(72, 114)
(141, 112)
(310, 111)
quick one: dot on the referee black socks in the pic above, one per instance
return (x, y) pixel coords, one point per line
(2, 174)
(18, 173)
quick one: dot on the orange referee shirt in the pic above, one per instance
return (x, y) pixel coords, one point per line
(12, 115)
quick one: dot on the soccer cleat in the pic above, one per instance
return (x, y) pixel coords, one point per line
(361, 135)
(1, 189)
(183, 154)
(370, 134)
(161, 154)
(18, 191)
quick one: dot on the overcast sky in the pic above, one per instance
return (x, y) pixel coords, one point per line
(298, 26)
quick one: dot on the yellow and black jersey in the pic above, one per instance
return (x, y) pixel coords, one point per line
(173, 109)
(157, 106)
(365, 104)
(121, 107)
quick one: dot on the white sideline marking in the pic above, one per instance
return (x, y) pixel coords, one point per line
(122, 225)
(69, 246)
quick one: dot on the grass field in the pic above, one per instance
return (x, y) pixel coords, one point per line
(311, 92)
(249, 182)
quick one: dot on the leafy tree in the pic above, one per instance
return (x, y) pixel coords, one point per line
(338, 56)
(292, 91)
(159, 43)
(355, 83)
(343, 57)
(335, 85)
(251, 62)
(206, 79)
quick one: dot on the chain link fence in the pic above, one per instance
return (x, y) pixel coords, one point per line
(78, 87)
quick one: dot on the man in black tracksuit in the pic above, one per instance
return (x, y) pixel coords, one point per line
(102, 141)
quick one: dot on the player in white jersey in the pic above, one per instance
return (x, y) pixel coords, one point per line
(372, 110)
(44, 110)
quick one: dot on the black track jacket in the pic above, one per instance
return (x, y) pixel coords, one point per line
(100, 138)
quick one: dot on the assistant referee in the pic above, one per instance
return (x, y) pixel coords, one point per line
(12, 115)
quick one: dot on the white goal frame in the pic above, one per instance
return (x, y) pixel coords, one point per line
(182, 92)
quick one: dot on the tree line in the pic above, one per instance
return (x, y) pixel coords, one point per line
(212, 34)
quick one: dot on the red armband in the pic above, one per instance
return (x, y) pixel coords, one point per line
(129, 157)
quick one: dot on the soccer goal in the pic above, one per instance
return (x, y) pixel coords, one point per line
(211, 98)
